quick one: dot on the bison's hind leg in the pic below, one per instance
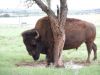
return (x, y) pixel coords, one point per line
(90, 46)
(89, 49)
(94, 47)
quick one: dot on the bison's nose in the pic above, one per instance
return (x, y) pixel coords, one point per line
(35, 57)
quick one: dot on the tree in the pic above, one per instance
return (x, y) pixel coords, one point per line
(29, 3)
(57, 26)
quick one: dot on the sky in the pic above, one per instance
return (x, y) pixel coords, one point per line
(83, 4)
(11, 4)
(72, 4)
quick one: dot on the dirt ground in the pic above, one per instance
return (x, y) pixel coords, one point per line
(42, 63)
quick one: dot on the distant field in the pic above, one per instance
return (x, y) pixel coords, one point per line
(14, 59)
(94, 18)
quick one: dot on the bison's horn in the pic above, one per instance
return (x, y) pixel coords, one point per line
(37, 35)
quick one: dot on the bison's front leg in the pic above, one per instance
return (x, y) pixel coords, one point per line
(49, 60)
(49, 57)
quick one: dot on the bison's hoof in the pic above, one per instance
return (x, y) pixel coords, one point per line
(94, 58)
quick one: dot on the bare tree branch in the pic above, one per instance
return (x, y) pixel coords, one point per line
(63, 7)
(46, 9)
(58, 13)
(63, 11)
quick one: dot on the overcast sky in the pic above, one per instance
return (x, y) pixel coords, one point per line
(83, 4)
(72, 4)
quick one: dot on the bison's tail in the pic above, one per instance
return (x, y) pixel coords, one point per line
(94, 47)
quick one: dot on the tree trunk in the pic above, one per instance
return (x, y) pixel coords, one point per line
(57, 26)
(59, 40)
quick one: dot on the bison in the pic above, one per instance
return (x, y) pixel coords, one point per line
(40, 39)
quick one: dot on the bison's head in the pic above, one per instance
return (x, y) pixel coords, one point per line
(32, 41)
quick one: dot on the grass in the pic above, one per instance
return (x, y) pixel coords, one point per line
(91, 70)
(12, 51)
(34, 71)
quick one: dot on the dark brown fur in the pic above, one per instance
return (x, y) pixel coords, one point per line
(76, 31)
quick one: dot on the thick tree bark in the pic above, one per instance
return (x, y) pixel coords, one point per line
(57, 25)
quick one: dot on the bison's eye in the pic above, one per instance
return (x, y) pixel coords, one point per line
(34, 46)
(33, 42)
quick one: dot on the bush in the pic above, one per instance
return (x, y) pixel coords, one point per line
(5, 15)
